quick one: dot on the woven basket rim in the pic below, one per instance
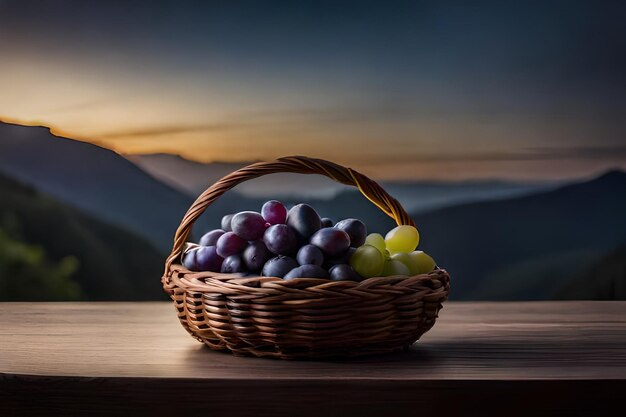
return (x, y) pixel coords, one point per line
(235, 285)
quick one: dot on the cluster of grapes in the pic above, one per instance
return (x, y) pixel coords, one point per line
(299, 244)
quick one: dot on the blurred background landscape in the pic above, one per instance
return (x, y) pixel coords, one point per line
(500, 128)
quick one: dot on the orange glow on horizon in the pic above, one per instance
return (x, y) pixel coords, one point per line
(422, 169)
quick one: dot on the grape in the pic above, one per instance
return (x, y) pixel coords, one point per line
(210, 238)
(376, 240)
(207, 259)
(230, 244)
(402, 239)
(281, 239)
(332, 242)
(307, 271)
(255, 255)
(394, 267)
(304, 220)
(248, 225)
(355, 229)
(279, 266)
(367, 261)
(343, 272)
(233, 264)
(189, 259)
(310, 255)
(424, 262)
(326, 222)
(226, 223)
(274, 212)
(343, 258)
(407, 261)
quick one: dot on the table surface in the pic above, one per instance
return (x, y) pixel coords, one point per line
(478, 341)
(576, 340)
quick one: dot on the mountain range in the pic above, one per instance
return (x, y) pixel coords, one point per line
(93, 179)
(535, 243)
(527, 247)
(192, 178)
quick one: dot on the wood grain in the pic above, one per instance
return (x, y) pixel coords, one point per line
(69, 358)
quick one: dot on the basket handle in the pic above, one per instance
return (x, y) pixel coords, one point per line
(295, 164)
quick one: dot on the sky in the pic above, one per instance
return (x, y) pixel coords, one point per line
(400, 90)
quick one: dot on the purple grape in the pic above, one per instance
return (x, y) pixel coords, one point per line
(248, 225)
(279, 266)
(233, 264)
(355, 229)
(281, 239)
(274, 212)
(307, 271)
(230, 244)
(326, 222)
(255, 255)
(226, 223)
(331, 241)
(207, 259)
(304, 220)
(343, 258)
(210, 238)
(310, 255)
(343, 272)
(189, 259)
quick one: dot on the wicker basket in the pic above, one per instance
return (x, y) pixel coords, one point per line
(304, 317)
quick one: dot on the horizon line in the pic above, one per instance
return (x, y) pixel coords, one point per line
(62, 133)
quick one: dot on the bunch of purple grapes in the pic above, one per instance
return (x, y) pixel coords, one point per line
(280, 243)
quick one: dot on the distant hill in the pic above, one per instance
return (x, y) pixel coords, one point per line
(527, 247)
(192, 178)
(94, 179)
(420, 196)
(113, 264)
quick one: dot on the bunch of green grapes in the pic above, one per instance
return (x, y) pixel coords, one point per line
(394, 254)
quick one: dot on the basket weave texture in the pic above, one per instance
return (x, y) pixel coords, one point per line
(304, 317)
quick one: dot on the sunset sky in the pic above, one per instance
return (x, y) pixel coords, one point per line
(445, 90)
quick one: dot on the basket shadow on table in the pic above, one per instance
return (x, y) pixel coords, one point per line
(426, 353)
(446, 358)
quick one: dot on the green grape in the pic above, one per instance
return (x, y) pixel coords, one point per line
(376, 240)
(367, 261)
(423, 261)
(394, 267)
(407, 261)
(402, 239)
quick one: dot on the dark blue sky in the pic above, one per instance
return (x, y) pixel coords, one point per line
(534, 89)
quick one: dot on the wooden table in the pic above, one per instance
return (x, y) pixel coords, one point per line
(536, 358)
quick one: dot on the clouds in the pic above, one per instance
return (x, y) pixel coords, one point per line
(579, 153)
(168, 130)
